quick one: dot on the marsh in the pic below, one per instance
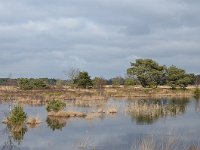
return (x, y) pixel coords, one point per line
(136, 124)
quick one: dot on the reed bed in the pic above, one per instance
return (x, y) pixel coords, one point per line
(171, 142)
(33, 121)
(148, 112)
(66, 114)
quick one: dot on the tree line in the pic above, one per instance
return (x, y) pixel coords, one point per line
(145, 72)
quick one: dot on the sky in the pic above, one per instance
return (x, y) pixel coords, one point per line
(45, 38)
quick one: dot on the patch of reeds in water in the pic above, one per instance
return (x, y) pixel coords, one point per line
(149, 112)
(33, 122)
(170, 142)
(66, 114)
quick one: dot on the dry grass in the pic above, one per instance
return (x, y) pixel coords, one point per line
(5, 121)
(162, 143)
(90, 103)
(17, 128)
(92, 97)
(66, 114)
(91, 116)
(112, 110)
(33, 121)
(152, 110)
(87, 97)
(30, 101)
(101, 110)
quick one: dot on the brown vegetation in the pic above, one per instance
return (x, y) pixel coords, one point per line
(86, 96)
(33, 121)
(66, 114)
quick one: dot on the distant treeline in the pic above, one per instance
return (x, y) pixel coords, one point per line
(14, 82)
(145, 72)
(54, 82)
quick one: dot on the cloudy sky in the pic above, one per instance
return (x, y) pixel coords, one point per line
(43, 38)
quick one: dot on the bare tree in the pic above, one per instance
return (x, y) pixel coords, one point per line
(72, 74)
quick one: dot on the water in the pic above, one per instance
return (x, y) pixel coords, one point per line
(177, 118)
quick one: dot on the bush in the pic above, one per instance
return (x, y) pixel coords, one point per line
(25, 84)
(29, 84)
(39, 84)
(17, 116)
(55, 106)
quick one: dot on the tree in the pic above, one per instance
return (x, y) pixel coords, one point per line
(72, 74)
(117, 81)
(197, 80)
(17, 116)
(60, 83)
(148, 72)
(130, 82)
(83, 80)
(178, 77)
(98, 82)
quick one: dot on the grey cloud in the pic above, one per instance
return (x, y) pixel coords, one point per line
(44, 38)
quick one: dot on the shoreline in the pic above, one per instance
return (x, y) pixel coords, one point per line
(68, 94)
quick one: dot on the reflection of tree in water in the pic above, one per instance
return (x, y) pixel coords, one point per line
(197, 98)
(15, 134)
(56, 123)
(10, 145)
(148, 111)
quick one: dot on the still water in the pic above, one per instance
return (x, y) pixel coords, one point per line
(157, 121)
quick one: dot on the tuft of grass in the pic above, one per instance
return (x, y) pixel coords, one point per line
(170, 142)
(33, 121)
(66, 114)
(112, 110)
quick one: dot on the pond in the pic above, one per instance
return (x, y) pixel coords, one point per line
(167, 123)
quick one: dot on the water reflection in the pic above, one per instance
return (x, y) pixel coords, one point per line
(105, 125)
(15, 134)
(197, 98)
(10, 145)
(56, 123)
(148, 111)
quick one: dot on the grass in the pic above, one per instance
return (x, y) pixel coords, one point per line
(112, 110)
(91, 116)
(66, 114)
(148, 112)
(171, 142)
(33, 121)
(40, 97)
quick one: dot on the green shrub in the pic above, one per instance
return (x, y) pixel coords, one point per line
(17, 116)
(29, 84)
(39, 84)
(55, 106)
(25, 84)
